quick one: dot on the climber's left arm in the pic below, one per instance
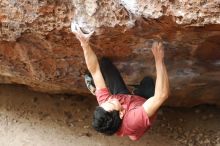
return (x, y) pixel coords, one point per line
(90, 57)
(93, 66)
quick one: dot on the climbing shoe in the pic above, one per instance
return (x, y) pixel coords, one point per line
(90, 83)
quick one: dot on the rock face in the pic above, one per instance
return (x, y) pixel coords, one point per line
(37, 48)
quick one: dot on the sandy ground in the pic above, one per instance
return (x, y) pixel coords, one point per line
(29, 118)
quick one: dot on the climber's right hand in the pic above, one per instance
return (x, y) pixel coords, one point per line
(158, 51)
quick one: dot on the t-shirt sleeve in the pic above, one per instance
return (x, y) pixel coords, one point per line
(137, 122)
(102, 95)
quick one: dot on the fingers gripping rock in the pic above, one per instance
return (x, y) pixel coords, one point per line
(75, 28)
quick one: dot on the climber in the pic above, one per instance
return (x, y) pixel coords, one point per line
(121, 112)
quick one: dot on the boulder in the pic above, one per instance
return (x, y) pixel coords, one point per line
(37, 48)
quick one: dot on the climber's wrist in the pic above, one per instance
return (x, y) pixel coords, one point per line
(84, 44)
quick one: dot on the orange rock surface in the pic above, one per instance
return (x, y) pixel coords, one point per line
(37, 48)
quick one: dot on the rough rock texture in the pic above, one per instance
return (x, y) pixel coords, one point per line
(37, 48)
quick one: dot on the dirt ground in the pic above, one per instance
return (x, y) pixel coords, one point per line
(29, 118)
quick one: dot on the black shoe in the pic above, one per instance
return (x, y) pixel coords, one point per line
(90, 83)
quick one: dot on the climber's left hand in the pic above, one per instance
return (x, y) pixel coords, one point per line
(82, 37)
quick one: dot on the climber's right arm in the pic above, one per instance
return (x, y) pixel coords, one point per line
(162, 83)
(90, 56)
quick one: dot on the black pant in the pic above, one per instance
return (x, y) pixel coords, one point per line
(116, 84)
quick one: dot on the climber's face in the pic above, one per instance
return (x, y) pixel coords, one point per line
(111, 104)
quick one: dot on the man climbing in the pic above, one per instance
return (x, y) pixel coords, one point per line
(120, 112)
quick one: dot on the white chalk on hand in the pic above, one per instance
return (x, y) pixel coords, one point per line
(75, 28)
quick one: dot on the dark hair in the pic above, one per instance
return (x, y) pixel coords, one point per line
(106, 122)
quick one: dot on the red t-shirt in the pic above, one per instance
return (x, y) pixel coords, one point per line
(135, 121)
